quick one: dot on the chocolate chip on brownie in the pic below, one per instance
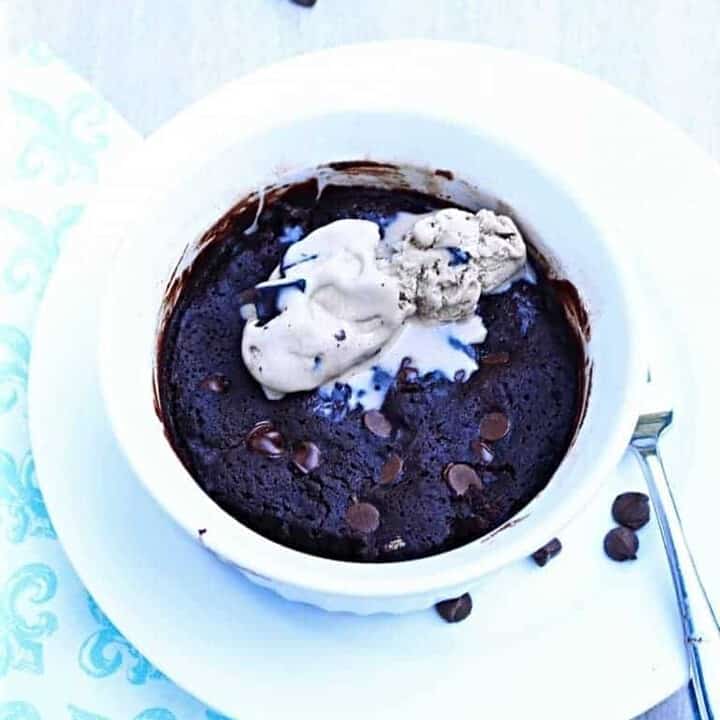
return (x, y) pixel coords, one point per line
(306, 456)
(494, 426)
(377, 423)
(391, 469)
(363, 517)
(461, 477)
(266, 440)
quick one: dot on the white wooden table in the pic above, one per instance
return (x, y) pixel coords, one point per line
(150, 58)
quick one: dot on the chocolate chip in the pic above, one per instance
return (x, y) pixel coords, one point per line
(621, 544)
(483, 451)
(304, 3)
(391, 469)
(202, 531)
(363, 517)
(266, 440)
(496, 358)
(377, 423)
(547, 552)
(216, 383)
(455, 610)
(494, 426)
(306, 456)
(461, 477)
(631, 509)
(340, 335)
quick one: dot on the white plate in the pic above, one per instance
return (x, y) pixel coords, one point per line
(582, 636)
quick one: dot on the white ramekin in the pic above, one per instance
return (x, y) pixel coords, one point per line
(331, 107)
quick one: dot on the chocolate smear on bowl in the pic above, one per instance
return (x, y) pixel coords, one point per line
(494, 426)
(377, 423)
(547, 552)
(455, 610)
(391, 469)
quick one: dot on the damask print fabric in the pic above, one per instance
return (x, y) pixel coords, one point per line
(61, 657)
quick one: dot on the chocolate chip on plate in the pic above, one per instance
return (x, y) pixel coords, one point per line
(494, 426)
(216, 383)
(363, 517)
(456, 609)
(377, 423)
(391, 469)
(266, 440)
(547, 552)
(461, 477)
(306, 456)
(631, 509)
(621, 544)
(304, 3)
(483, 451)
(495, 358)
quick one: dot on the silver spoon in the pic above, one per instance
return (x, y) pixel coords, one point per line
(700, 625)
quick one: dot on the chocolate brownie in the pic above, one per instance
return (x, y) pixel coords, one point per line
(441, 464)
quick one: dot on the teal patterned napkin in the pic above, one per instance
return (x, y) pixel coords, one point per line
(60, 657)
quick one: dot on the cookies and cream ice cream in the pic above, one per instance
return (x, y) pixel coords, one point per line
(448, 258)
(344, 302)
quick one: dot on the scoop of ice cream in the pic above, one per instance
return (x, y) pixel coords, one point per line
(448, 258)
(335, 309)
(325, 309)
